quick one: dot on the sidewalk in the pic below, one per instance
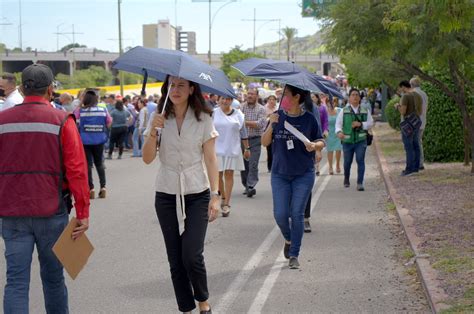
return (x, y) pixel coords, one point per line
(436, 211)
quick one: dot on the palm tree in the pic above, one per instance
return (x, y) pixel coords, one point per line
(290, 34)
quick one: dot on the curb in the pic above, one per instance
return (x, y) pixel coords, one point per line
(435, 294)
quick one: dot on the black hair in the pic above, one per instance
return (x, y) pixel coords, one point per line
(305, 96)
(119, 105)
(353, 89)
(404, 83)
(90, 99)
(195, 101)
(34, 91)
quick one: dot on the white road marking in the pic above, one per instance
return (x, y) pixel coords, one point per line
(280, 261)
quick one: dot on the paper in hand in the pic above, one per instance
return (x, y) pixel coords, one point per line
(73, 254)
(296, 133)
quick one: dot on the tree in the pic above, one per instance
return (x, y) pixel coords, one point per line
(290, 34)
(420, 37)
(67, 47)
(94, 76)
(233, 56)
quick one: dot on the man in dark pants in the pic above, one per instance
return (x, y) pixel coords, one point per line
(255, 121)
(42, 156)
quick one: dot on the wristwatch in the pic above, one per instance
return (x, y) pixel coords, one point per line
(247, 148)
(215, 193)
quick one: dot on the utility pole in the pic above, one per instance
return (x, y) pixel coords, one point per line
(210, 30)
(120, 44)
(255, 20)
(20, 35)
(73, 33)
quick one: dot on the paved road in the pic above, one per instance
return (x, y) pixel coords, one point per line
(348, 262)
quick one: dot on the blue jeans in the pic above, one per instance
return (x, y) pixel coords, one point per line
(290, 195)
(412, 150)
(359, 150)
(137, 143)
(20, 236)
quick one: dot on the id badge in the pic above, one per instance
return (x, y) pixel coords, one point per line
(290, 145)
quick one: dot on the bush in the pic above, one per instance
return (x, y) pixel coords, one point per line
(392, 114)
(443, 137)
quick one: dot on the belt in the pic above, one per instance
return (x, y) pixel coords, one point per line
(257, 136)
(180, 202)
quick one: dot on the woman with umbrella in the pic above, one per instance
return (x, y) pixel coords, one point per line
(186, 199)
(292, 175)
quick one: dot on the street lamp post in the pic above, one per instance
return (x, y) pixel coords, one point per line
(211, 21)
(120, 44)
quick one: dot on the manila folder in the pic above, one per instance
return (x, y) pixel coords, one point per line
(73, 254)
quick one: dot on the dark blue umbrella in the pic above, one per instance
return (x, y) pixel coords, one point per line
(159, 63)
(285, 72)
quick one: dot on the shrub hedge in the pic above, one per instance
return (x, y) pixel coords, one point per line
(392, 114)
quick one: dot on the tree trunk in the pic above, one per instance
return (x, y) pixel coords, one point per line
(467, 152)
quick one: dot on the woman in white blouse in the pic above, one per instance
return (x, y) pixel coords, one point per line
(183, 203)
(229, 123)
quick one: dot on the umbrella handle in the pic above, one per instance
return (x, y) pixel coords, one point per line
(145, 79)
(167, 96)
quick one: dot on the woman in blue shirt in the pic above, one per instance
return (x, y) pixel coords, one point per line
(293, 166)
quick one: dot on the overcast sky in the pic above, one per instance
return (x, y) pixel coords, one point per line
(97, 22)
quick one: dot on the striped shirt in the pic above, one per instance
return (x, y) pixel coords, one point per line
(256, 113)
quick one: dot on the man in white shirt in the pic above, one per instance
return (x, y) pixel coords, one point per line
(415, 85)
(9, 91)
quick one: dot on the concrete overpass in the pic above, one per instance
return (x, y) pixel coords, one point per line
(83, 58)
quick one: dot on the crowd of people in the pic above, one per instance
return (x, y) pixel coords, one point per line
(200, 140)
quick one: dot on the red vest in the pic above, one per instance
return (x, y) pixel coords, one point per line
(31, 166)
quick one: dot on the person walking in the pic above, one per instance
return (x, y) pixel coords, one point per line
(323, 117)
(270, 107)
(93, 124)
(352, 124)
(415, 85)
(229, 123)
(334, 145)
(184, 204)
(255, 121)
(293, 176)
(42, 164)
(140, 126)
(119, 128)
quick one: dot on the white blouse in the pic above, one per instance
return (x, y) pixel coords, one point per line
(181, 168)
(228, 126)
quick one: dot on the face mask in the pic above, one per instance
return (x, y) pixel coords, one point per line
(2, 93)
(285, 103)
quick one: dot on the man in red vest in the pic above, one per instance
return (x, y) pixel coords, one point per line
(42, 164)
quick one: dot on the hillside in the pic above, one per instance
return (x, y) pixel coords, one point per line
(312, 44)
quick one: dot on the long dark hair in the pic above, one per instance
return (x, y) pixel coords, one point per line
(305, 97)
(90, 99)
(195, 101)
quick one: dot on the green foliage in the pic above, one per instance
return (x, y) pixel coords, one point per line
(290, 34)
(371, 71)
(392, 114)
(233, 56)
(443, 136)
(94, 76)
(75, 45)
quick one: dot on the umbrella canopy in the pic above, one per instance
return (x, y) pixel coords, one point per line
(285, 72)
(159, 63)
